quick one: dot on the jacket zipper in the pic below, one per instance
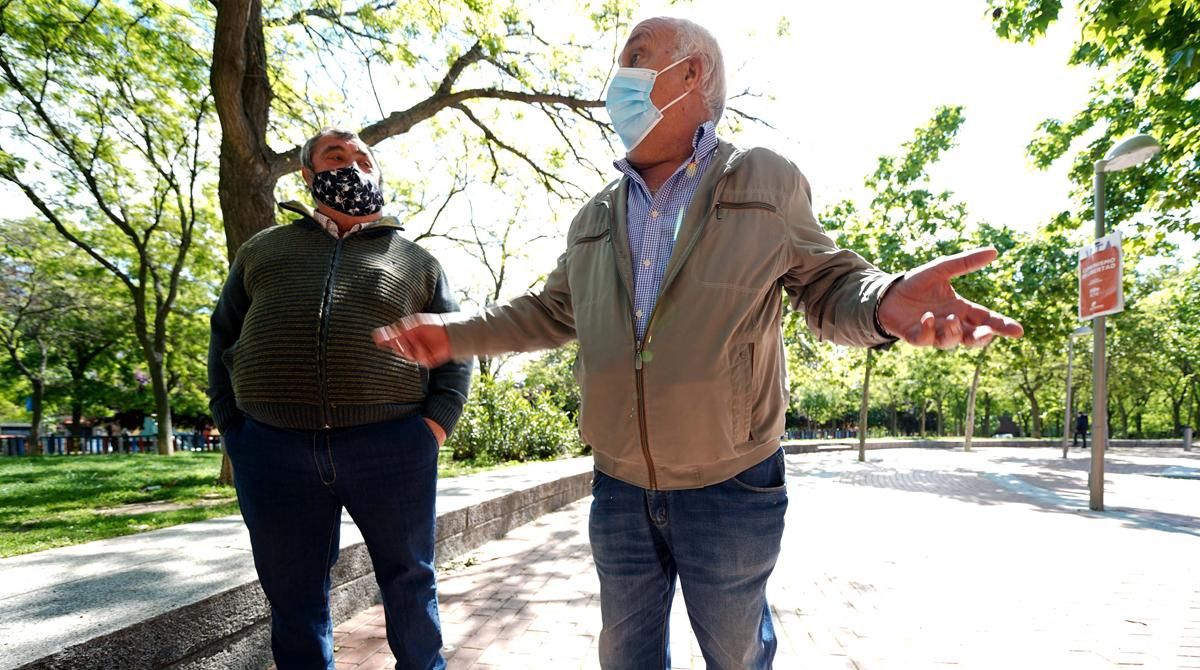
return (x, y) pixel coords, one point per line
(639, 375)
(326, 310)
(641, 393)
(745, 205)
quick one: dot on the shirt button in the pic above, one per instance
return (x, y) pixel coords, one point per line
(639, 314)
(646, 263)
(654, 213)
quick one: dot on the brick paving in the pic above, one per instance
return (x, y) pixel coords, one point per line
(915, 559)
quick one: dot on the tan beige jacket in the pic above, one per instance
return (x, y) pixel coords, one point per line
(704, 397)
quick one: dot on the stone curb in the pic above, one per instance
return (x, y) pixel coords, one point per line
(231, 629)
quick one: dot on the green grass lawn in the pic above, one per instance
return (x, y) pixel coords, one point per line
(56, 501)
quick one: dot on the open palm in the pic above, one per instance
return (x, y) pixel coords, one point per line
(924, 310)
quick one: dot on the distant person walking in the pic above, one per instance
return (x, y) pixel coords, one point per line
(1081, 429)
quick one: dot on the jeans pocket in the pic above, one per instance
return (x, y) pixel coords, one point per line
(767, 476)
(427, 431)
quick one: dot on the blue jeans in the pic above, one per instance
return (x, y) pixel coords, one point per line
(292, 486)
(721, 541)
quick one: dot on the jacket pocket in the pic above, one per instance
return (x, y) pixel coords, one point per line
(742, 380)
(741, 246)
(723, 208)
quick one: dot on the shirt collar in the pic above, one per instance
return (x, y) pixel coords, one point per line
(331, 226)
(704, 142)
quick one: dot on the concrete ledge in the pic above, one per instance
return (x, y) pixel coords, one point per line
(187, 597)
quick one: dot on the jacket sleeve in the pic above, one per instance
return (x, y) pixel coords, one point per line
(838, 290)
(226, 327)
(449, 382)
(538, 320)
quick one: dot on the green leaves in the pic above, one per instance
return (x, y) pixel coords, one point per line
(1144, 56)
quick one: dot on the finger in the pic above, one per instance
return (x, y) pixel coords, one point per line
(963, 262)
(949, 333)
(1003, 325)
(978, 337)
(399, 345)
(977, 315)
(922, 334)
(420, 353)
(383, 334)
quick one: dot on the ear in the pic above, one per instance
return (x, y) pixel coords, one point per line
(693, 72)
(308, 176)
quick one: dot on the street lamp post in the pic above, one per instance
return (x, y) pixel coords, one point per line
(1129, 153)
(1078, 332)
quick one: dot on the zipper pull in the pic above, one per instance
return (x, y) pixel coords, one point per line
(637, 359)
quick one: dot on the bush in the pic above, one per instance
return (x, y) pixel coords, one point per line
(503, 422)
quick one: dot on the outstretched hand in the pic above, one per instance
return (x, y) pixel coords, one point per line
(420, 338)
(924, 310)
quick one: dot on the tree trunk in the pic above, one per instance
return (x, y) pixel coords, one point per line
(34, 444)
(924, 409)
(895, 420)
(1124, 414)
(862, 410)
(1177, 415)
(76, 423)
(969, 423)
(242, 94)
(1035, 416)
(987, 414)
(162, 404)
(941, 418)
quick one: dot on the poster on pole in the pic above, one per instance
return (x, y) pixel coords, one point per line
(1100, 292)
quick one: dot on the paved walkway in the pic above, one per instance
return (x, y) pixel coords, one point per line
(915, 559)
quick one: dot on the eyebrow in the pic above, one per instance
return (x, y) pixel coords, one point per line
(339, 147)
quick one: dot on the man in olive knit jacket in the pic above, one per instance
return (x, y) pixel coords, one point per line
(316, 418)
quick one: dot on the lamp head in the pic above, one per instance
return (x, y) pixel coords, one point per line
(1130, 152)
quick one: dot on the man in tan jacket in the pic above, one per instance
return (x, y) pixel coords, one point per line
(671, 281)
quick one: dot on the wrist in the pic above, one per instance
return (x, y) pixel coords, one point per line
(880, 327)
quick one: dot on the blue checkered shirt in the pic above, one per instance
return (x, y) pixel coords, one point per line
(654, 221)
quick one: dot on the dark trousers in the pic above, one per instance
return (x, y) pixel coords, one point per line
(292, 486)
(1079, 434)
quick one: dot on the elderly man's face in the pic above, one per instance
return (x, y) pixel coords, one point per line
(651, 45)
(333, 153)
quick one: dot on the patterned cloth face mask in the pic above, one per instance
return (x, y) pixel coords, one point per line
(349, 191)
(632, 112)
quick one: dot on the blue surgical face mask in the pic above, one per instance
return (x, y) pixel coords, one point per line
(348, 190)
(632, 112)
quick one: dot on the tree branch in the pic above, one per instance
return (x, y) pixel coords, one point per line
(398, 123)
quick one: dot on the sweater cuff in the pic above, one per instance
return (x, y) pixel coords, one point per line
(226, 414)
(444, 410)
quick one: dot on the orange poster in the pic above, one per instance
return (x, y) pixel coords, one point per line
(1100, 291)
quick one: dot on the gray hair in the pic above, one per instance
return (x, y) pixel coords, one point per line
(306, 152)
(693, 40)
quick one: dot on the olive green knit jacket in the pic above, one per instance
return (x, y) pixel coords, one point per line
(291, 334)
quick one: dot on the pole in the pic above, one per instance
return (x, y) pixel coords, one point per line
(862, 412)
(1067, 423)
(1099, 376)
